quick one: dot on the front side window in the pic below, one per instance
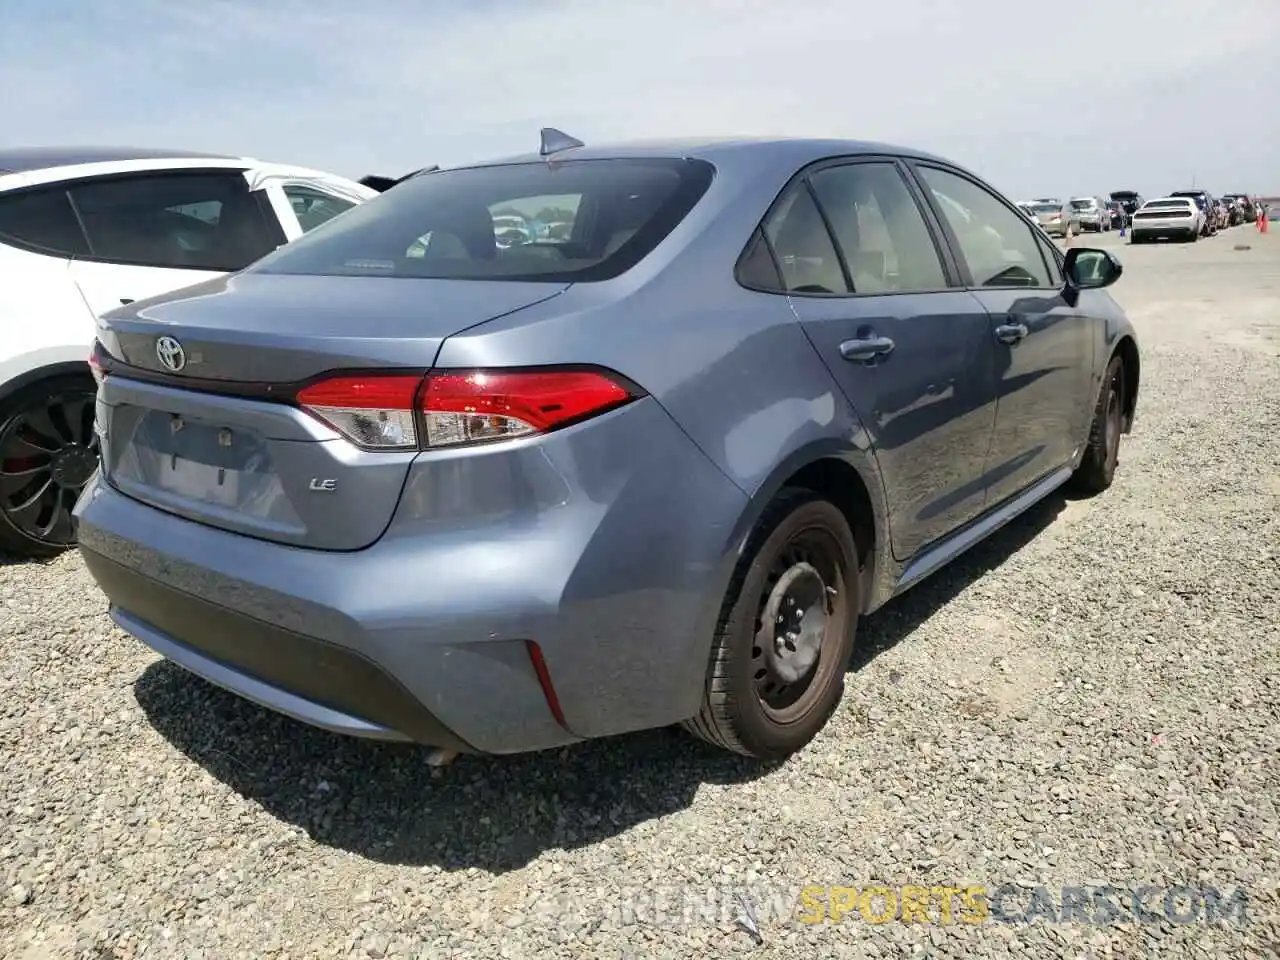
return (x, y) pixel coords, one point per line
(998, 245)
(880, 229)
(577, 221)
(197, 221)
(313, 207)
(41, 221)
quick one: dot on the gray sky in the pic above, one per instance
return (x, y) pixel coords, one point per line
(1041, 98)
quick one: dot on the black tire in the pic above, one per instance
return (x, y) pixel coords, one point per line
(1098, 467)
(1191, 236)
(48, 451)
(738, 713)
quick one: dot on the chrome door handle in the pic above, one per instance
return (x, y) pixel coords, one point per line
(866, 349)
(1011, 332)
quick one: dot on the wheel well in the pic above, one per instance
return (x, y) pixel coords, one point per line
(840, 483)
(24, 380)
(1127, 350)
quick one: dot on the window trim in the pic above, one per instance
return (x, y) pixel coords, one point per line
(961, 262)
(274, 230)
(950, 268)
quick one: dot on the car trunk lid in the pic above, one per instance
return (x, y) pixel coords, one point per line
(196, 411)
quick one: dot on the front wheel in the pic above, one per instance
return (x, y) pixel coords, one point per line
(1098, 467)
(786, 631)
(48, 452)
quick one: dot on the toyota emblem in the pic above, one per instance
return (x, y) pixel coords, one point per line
(170, 353)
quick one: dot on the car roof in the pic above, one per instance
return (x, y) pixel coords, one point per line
(28, 159)
(716, 150)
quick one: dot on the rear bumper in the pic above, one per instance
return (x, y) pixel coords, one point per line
(1164, 228)
(574, 541)
(310, 680)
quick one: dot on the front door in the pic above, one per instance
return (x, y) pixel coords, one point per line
(1042, 344)
(912, 354)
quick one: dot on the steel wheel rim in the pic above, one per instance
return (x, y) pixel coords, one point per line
(48, 452)
(818, 549)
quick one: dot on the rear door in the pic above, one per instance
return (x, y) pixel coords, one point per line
(1043, 347)
(869, 281)
(155, 232)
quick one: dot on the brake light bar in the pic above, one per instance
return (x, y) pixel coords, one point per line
(459, 407)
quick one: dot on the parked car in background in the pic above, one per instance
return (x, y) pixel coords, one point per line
(85, 230)
(1129, 200)
(1169, 218)
(1204, 201)
(1056, 217)
(1091, 213)
(1242, 208)
(429, 498)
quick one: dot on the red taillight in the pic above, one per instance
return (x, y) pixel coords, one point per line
(372, 411)
(459, 407)
(477, 405)
(96, 369)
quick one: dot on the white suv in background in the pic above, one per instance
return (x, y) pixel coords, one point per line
(85, 230)
(1092, 214)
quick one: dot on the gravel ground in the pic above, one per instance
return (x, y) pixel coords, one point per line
(1092, 697)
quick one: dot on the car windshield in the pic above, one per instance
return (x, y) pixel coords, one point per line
(1167, 205)
(579, 220)
(1082, 204)
(1046, 208)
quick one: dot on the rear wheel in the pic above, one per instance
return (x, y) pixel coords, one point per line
(1098, 468)
(48, 452)
(785, 634)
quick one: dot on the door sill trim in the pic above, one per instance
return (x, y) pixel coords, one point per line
(936, 557)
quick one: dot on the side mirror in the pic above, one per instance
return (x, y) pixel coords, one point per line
(1090, 269)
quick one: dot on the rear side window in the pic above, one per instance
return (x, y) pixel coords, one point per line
(802, 244)
(197, 221)
(577, 221)
(41, 221)
(881, 231)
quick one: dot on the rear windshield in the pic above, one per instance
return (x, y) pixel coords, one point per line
(1167, 205)
(1046, 208)
(1083, 204)
(574, 221)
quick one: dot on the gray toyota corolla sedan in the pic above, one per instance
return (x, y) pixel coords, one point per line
(646, 463)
